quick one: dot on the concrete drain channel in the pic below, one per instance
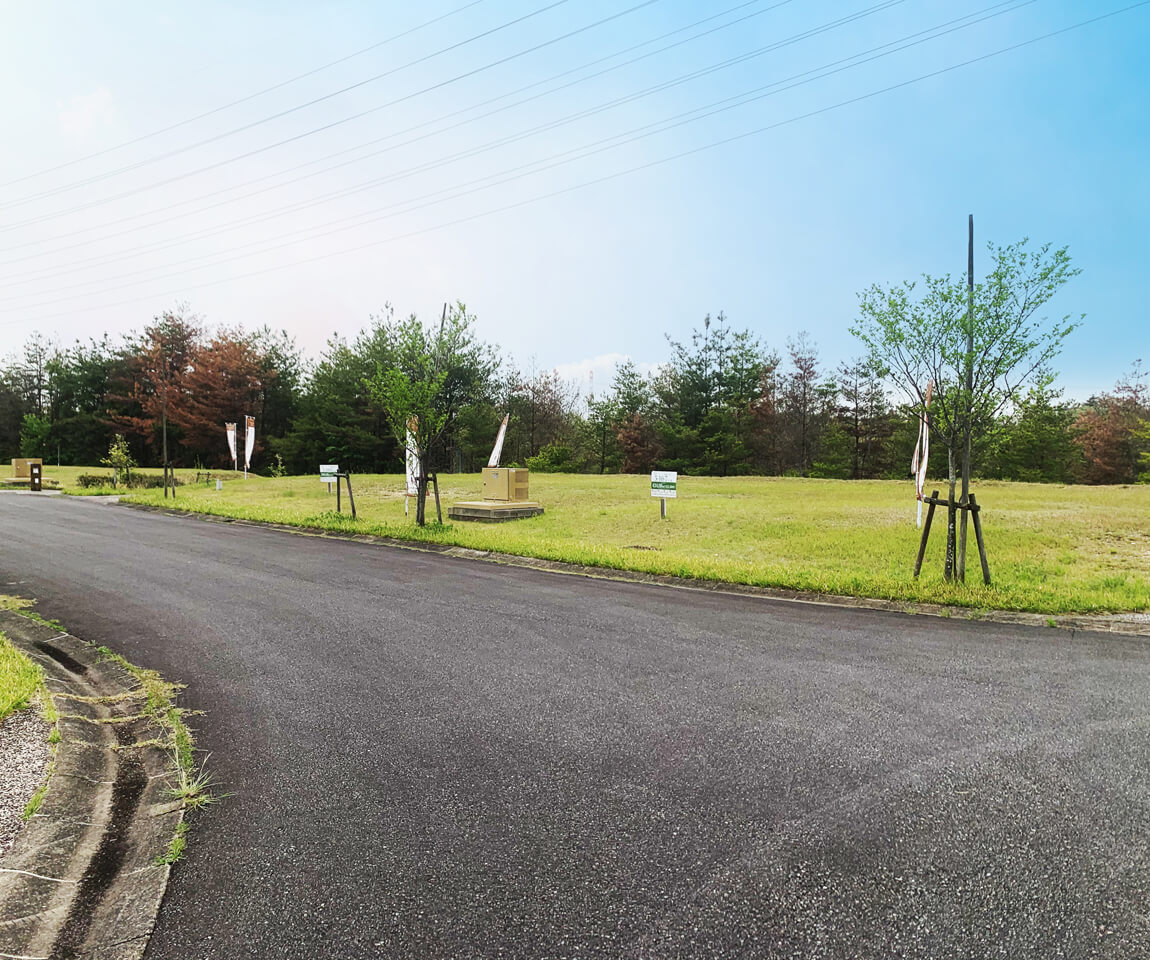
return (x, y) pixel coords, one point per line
(82, 878)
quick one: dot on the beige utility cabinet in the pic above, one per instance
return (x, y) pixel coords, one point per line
(22, 468)
(505, 483)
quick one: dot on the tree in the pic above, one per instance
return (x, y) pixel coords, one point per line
(153, 378)
(918, 337)
(1111, 432)
(863, 414)
(1036, 443)
(224, 382)
(119, 458)
(435, 375)
(805, 403)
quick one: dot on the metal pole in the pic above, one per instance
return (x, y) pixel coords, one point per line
(969, 426)
(164, 416)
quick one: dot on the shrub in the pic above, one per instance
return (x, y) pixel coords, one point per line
(553, 458)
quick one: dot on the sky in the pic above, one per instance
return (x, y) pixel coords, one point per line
(588, 177)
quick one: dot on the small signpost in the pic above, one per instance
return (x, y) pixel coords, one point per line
(329, 473)
(663, 486)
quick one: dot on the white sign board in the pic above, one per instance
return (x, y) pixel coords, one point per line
(327, 472)
(663, 483)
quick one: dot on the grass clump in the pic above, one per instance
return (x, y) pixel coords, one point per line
(176, 845)
(192, 786)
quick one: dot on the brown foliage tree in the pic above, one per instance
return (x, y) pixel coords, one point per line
(639, 443)
(1109, 431)
(226, 381)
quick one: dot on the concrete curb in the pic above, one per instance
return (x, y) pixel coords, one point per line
(82, 881)
(1132, 625)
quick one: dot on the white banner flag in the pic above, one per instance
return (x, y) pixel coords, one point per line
(249, 442)
(921, 458)
(231, 429)
(498, 451)
(412, 459)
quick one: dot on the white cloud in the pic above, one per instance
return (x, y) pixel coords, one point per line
(83, 114)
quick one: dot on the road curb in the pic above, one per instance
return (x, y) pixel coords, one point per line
(1130, 625)
(81, 880)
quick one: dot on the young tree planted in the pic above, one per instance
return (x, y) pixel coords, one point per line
(436, 373)
(983, 349)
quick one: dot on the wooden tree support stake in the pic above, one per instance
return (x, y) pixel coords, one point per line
(925, 532)
(952, 508)
(438, 509)
(350, 496)
(974, 510)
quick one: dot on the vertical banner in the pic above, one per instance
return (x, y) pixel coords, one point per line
(412, 463)
(231, 429)
(918, 463)
(249, 442)
(497, 452)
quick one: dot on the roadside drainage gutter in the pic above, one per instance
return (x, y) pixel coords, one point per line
(81, 880)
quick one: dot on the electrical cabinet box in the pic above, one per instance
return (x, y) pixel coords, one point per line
(505, 483)
(23, 468)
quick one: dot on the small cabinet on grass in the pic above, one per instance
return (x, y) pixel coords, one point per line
(505, 483)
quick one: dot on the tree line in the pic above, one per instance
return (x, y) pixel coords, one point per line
(721, 403)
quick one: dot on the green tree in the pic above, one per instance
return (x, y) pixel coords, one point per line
(982, 353)
(119, 458)
(437, 372)
(1036, 442)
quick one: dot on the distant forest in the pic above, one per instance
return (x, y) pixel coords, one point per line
(722, 403)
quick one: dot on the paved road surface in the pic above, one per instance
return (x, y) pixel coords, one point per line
(433, 757)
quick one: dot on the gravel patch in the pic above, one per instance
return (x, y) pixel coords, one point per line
(24, 755)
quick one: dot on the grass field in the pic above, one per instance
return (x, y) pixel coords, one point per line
(1052, 549)
(20, 679)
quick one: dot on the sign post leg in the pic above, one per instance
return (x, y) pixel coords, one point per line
(663, 507)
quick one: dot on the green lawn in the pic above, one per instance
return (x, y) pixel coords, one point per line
(20, 678)
(1052, 549)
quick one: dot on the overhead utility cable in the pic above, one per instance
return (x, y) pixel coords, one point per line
(244, 99)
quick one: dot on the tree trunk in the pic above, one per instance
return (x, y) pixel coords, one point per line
(421, 496)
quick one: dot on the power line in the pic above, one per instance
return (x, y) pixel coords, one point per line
(550, 125)
(245, 99)
(438, 86)
(390, 136)
(612, 176)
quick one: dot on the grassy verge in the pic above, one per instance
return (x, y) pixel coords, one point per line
(21, 680)
(1052, 549)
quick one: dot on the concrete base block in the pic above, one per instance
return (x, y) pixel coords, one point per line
(494, 511)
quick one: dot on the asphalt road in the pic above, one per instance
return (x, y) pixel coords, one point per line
(431, 757)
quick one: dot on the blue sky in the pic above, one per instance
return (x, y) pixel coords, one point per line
(778, 229)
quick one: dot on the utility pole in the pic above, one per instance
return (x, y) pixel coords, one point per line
(164, 414)
(969, 416)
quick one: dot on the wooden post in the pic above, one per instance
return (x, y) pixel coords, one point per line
(663, 507)
(925, 533)
(438, 509)
(337, 494)
(974, 509)
(350, 495)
